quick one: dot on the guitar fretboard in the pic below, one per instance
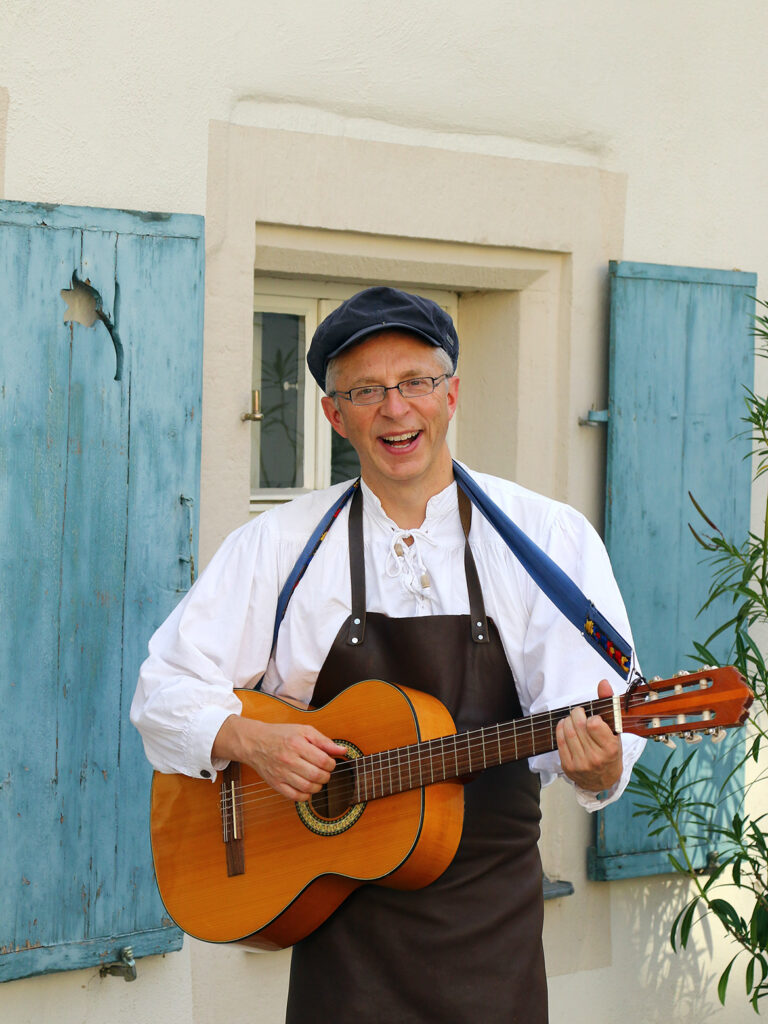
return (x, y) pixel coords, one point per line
(452, 757)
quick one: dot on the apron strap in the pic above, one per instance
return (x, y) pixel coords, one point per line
(476, 604)
(356, 630)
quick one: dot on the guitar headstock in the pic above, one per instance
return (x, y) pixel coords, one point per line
(691, 702)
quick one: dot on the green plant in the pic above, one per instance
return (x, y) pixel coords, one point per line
(733, 890)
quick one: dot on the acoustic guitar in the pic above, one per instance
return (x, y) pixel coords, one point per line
(238, 862)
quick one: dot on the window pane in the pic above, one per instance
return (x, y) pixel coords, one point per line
(277, 440)
(344, 461)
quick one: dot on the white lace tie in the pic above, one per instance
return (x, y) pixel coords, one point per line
(404, 560)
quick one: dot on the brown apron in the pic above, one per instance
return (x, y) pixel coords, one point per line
(467, 947)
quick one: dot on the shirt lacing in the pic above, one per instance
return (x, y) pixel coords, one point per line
(404, 560)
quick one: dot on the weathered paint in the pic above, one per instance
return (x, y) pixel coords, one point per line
(92, 537)
(681, 354)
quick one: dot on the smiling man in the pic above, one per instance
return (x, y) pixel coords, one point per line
(407, 585)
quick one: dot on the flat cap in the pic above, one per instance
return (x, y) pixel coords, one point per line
(375, 310)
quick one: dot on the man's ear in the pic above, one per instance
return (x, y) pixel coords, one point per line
(333, 415)
(453, 395)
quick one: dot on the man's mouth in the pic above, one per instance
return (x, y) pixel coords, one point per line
(400, 440)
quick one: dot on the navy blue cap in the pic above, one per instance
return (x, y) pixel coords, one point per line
(375, 310)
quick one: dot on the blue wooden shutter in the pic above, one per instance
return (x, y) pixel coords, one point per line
(99, 481)
(681, 353)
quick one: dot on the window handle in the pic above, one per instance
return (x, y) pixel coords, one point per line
(254, 414)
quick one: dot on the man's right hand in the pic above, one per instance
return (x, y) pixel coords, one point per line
(296, 760)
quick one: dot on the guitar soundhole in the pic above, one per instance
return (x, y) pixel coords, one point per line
(332, 810)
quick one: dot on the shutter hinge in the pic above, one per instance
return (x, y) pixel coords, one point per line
(593, 418)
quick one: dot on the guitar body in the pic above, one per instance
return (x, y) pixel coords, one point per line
(289, 866)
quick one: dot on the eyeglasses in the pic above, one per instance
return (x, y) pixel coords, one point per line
(372, 394)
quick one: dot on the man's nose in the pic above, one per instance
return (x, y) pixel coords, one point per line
(394, 404)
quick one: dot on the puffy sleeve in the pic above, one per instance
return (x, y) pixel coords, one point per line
(218, 637)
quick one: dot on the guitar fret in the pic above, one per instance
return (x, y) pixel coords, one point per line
(498, 741)
(482, 736)
(431, 764)
(224, 814)
(533, 736)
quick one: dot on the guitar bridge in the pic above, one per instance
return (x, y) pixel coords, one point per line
(232, 819)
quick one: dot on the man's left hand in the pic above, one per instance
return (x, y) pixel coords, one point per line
(590, 752)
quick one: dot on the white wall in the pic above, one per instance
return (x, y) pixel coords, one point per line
(109, 104)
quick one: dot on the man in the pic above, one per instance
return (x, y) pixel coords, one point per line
(436, 600)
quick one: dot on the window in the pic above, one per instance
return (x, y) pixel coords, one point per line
(293, 448)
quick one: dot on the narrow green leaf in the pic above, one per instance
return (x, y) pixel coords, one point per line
(722, 985)
(685, 924)
(725, 912)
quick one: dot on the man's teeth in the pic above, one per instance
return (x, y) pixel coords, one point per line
(400, 438)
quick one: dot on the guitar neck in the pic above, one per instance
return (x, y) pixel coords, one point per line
(461, 754)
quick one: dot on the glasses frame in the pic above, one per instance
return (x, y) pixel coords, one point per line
(383, 388)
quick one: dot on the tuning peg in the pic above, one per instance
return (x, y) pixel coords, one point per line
(692, 737)
(667, 740)
(716, 735)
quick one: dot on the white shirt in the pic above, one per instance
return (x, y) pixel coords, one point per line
(219, 636)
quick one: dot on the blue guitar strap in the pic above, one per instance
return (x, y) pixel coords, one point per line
(548, 576)
(557, 585)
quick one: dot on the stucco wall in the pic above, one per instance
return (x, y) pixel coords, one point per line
(112, 105)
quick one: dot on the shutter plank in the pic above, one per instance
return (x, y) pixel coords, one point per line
(34, 377)
(165, 415)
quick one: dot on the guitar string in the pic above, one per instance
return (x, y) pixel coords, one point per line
(535, 727)
(398, 760)
(466, 744)
(471, 742)
(273, 804)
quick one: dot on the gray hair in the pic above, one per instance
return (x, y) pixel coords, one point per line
(443, 359)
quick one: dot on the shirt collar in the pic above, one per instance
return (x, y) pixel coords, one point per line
(439, 507)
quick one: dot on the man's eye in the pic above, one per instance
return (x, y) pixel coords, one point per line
(363, 392)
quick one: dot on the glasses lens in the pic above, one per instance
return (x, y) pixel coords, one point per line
(416, 387)
(367, 396)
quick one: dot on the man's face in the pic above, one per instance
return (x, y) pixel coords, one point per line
(399, 439)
